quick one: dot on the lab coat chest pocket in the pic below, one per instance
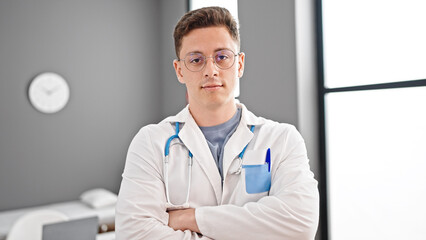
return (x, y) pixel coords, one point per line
(257, 171)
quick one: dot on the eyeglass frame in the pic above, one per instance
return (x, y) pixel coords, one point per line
(212, 57)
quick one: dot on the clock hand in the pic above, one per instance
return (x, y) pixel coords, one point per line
(50, 91)
(54, 89)
(47, 91)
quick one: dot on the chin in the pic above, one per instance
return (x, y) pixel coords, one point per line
(221, 102)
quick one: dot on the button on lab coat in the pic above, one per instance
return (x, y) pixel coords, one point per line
(289, 210)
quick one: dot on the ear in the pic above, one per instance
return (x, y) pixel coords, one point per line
(178, 69)
(241, 58)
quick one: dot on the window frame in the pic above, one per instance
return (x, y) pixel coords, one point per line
(321, 94)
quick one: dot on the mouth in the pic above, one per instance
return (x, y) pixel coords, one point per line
(212, 86)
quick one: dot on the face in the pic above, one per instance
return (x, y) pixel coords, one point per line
(211, 87)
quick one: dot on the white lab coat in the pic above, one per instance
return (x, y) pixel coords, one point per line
(289, 210)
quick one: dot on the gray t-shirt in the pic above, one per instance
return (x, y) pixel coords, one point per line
(218, 135)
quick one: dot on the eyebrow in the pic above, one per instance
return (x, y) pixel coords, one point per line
(216, 50)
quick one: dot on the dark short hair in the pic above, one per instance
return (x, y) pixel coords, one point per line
(202, 18)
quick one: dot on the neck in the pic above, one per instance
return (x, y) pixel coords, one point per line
(207, 117)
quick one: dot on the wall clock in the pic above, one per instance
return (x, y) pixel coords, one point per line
(48, 92)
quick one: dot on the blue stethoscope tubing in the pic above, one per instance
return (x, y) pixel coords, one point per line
(190, 163)
(166, 169)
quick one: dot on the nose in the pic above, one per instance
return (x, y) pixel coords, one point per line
(210, 69)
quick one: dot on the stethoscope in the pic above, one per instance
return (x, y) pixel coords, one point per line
(190, 162)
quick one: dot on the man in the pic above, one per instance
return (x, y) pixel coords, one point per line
(215, 170)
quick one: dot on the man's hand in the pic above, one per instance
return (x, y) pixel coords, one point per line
(183, 220)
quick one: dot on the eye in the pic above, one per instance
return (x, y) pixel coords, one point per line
(195, 60)
(221, 57)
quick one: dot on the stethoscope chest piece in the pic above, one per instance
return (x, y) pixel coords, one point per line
(240, 166)
(240, 157)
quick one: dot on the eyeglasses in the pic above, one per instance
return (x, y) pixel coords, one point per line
(223, 59)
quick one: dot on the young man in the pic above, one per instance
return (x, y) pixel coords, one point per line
(215, 170)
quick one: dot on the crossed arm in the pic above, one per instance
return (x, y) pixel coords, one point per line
(183, 220)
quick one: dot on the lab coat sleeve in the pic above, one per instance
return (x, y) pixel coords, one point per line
(290, 211)
(140, 209)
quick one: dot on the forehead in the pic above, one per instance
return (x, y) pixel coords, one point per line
(208, 40)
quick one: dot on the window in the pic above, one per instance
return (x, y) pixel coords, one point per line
(378, 41)
(372, 98)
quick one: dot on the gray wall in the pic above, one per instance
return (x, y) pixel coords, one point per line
(173, 92)
(107, 50)
(307, 81)
(269, 86)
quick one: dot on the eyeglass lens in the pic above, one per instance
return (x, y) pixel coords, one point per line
(224, 59)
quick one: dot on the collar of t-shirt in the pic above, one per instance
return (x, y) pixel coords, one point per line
(218, 135)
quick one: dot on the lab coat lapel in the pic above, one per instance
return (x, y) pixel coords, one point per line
(194, 140)
(241, 137)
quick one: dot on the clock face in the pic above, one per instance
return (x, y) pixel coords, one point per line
(49, 92)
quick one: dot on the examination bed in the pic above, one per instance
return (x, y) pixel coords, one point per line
(104, 209)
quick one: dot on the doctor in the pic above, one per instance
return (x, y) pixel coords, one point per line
(215, 170)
